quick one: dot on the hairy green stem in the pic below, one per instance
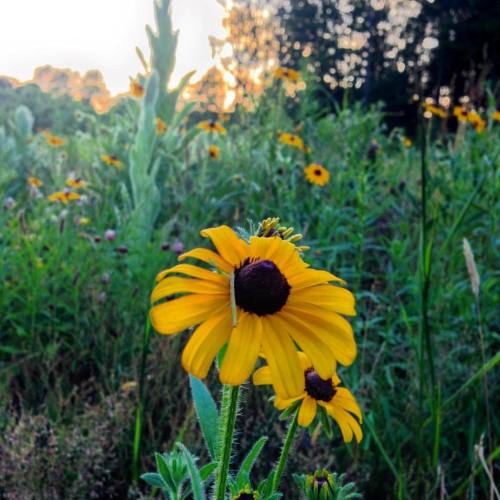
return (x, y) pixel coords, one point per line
(287, 443)
(229, 409)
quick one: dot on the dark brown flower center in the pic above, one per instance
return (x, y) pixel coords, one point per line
(245, 496)
(318, 388)
(260, 287)
(317, 172)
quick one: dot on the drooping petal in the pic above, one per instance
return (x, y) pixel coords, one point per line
(334, 330)
(281, 403)
(283, 361)
(307, 411)
(176, 315)
(171, 286)
(205, 342)
(242, 351)
(310, 342)
(312, 277)
(262, 376)
(333, 298)
(195, 272)
(283, 253)
(231, 248)
(208, 256)
(343, 422)
(344, 399)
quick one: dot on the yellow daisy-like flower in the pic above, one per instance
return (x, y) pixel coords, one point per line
(292, 140)
(287, 74)
(63, 196)
(460, 113)
(435, 110)
(278, 302)
(112, 160)
(161, 126)
(407, 143)
(317, 174)
(213, 152)
(35, 182)
(338, 402)
(477, 122)
(496, 116)
(76, 183)
(136, 89)
(211, 126)
(55, 141)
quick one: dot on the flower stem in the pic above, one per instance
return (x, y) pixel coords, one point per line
(287, 443)
(229, 409)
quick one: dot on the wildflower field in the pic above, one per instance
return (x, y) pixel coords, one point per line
(281, 301)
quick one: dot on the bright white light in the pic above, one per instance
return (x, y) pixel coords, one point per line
(100, 34)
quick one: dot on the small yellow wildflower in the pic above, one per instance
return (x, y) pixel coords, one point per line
(317, 174)
(63, 196)
(435, 110)
(112, 160)
(35, 182)
(496, 116)
(136, 89)
(84, 221)
(287, 74)
(460, 113)
(76, 183)
(211, 126)
(161, 126)
(476, 121)
(293, 140)
(407, 142)
(54, 141)
(213, 152)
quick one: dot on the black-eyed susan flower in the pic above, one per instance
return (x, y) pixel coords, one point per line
(54, 141)
(460, 113)
(213, 152)
(34, 182)
(292, 140)
(258, 296)
(136, 89)
(246, 494)
(325, 392)
(496, 116)
(476, 121)
(113, 161)
(287, 74)
(317, 174)
(211, 126)
(430, 109)
(76, 183)
(63, 196)
(161, 126)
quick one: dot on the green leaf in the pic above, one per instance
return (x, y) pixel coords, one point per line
(207, 470)
(206, 410)
(194, 474)
(153, 479)
(285, 414)
(162, 467)
(243, 475)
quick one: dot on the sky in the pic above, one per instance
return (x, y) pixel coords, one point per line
(100, 34)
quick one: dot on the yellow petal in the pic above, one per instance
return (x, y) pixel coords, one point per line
(334, 298)
(307, 411)
(281, 355)
(178, 314)
(312, 277)
(281, 403)
(310, 342)
(171, 286)
(283, 253)
(230, 247)
(206, 341)
(243, 350)
(305, 362)
(341, 417)
(262, 376)
(195, 272)
(334, 330)
(344, 399)
(208, 256)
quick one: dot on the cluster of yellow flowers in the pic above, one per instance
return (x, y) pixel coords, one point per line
(263, 302)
